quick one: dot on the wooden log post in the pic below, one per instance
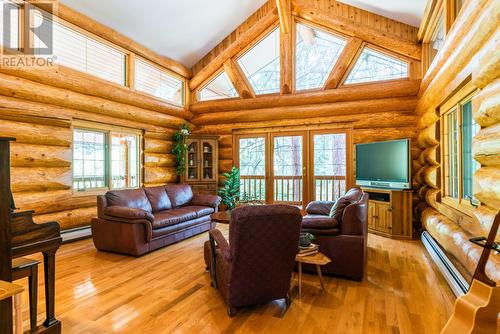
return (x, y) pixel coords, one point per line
(238, 79)
(351, 50)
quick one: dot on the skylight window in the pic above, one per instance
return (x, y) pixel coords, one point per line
(261, 64)
(316, 54)
(374, 65)
(219, 88)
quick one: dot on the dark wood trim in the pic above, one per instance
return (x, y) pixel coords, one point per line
(5, 233)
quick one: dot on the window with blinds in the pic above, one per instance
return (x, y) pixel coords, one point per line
(155, 81)
(80, 52)
(9, 29)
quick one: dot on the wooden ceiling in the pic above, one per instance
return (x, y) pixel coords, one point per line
(359, 24)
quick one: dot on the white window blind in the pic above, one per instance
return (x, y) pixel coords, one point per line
(80, 52)
(9, 33)
(152, 80)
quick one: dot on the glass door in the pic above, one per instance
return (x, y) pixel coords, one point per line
(252, 162)
(288, 168)
(192, 170)
(208, 161)
(329, 164)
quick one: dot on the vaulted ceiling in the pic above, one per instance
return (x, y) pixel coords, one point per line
(182, 30)
(187, 30)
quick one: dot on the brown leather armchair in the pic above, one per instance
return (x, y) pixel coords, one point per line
(343, 237)
(256, 265)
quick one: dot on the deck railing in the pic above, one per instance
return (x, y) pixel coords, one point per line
(253, 187)
(288, 189)
(329, 187)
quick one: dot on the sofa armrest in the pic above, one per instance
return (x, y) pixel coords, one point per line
(221, 242)
(212, 201)
(320, 207)
(124, 213)
(354, 221)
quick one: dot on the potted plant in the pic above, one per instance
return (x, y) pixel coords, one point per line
(230, 192)
(180, 148)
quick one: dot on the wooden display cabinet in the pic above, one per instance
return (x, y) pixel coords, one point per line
(202, 164)
(389, 212)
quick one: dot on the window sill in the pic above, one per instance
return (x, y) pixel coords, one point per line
(462, 208)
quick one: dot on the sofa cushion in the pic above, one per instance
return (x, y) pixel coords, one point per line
(319, 207)
(319, 222)
(200, 210)
(179, 194)
(171, 217)
(158, 198)
(351, 196)
(130, 198)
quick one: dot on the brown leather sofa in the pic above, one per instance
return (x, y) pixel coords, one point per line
(138, 221)
(256, 265)
(342, 237)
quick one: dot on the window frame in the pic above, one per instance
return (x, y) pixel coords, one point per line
(381, 50)
(430, 31)
(211, 78)
(455, 103)
(132, 68)
(251, 45)
(314, 25)
(87, 34)
(107, 130)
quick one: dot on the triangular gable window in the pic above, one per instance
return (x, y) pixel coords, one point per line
(373, 65)
(218, 88)
(261, 64)
(316, 54)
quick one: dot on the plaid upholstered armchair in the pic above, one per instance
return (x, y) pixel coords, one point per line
(256, 265)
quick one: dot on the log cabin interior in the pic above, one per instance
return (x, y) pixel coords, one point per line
(300, 166)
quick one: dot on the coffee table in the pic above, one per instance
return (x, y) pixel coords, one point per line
(221, 217)
(319, 259)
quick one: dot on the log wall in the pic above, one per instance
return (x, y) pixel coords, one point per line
(470, 53)
(371, 119)
(39, 106)
(42, 155)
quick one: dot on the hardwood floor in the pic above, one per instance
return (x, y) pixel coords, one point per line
(168, 291)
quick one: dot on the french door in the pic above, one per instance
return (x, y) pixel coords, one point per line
(294, 167)
(331, 160)
(288, 168)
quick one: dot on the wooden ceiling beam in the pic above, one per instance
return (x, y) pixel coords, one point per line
(344, 62)
(285, 15)
(366, 33)
(306, 111)
(238, 79)
(363, 121)
(287, 72)
(354, 93)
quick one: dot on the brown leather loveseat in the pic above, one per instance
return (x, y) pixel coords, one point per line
(138, 221)
(343, 236)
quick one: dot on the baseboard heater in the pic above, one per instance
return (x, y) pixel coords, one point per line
(75, 234)
(456, 281)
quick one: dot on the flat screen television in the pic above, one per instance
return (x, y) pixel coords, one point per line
(384, 164)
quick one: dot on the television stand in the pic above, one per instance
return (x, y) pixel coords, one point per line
(390, 212)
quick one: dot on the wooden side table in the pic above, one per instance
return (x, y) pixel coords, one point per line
(221, 217)
(319, 259)
(8, 290)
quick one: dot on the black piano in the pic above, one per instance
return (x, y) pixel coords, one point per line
(23, 237)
